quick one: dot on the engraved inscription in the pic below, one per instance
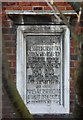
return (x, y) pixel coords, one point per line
(44, 69)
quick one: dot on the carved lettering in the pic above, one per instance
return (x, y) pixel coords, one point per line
(44, 69)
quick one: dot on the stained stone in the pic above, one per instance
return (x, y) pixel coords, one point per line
(43, 69)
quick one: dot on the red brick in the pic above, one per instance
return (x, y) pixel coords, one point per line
(6, 23)
(3, 10)
(72, 64)
(47, 8)
(24, 3)
(71, 106)
(75, 63)
(69, 8)
(72, 83)
(73, 43)
(7, 37)
(13, 50)
(62, 8)
(4, 3)
(42, 3)
(9, 63)
(13, 71)
(13, 37)
(34, 3)
(11, 57)
(8, 8)
(14, 64)
(72, 96)
(72, 73)
(11, 3)
(7, 30)
(72, 87)
(28, 3)
(73, 57)
(80, 29)
(76, 51)
(4, 17)
(9, 50)
(62, 4)
(27, 8)
(72, 50)
(10, 44)
(17, 8)
(14, 8)
(20, 5)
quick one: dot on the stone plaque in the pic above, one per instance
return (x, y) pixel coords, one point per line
(44, 70)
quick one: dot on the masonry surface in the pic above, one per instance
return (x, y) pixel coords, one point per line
(9, 36)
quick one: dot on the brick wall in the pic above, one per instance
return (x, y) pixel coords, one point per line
(74, 61)
(73, 65)
(9, 35)
(30, 5)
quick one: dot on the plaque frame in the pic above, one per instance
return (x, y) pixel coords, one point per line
(22, 32)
